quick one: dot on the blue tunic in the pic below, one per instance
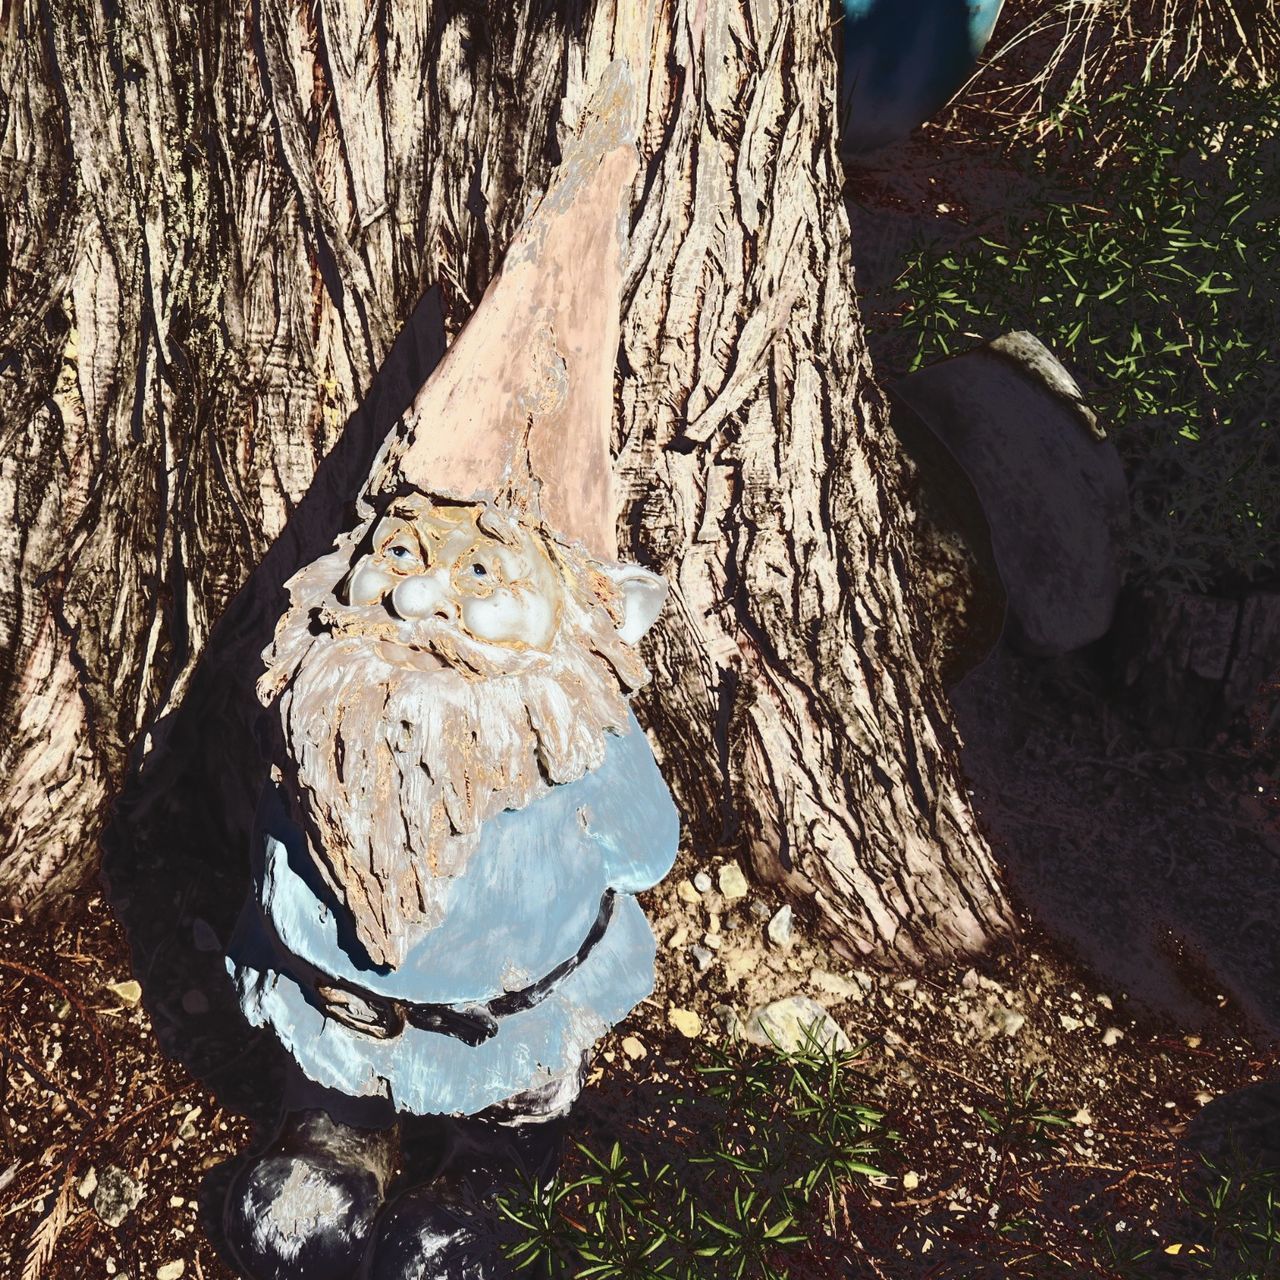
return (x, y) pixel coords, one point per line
(524, 904)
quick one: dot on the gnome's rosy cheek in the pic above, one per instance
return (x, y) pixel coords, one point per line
(365, 584)
(524, 620)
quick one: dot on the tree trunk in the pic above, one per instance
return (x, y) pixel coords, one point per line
(218, 218)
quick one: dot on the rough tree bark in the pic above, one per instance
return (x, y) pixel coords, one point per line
(217, 219)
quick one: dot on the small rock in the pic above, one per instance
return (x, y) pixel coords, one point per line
(727, 1016)
(171, 1270)
(787, 1024)
(129, 992)
(733, 884)
(1104, 1001)
(678, 938)
(1111, 1035)
(910, 1180)
(634, 1048)
(187, 1128)
(713, 940)
(702, 958)
(195, 1002)
(832, 984)
(907, 984)
(1008, 1021)
(781, 928)
(1082, 1116)
(116, 1196)
(88, 1184)
(702, 882)
(685, 1021)
(759, 909)
(1069, 1023)
(970, 979)
(686, 892)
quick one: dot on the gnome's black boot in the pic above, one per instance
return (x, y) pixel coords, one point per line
(444, 1229)
(303, 1209)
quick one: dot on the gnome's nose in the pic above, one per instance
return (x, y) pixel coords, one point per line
(423, 596)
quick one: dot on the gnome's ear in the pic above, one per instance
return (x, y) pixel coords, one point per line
(643, 594)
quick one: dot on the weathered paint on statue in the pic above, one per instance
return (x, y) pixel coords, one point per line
(444, 871)
(462, 806)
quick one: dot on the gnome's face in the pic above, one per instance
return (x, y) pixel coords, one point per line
(446, 662)
(497, 585)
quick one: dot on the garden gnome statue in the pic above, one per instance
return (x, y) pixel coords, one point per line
(462, 804)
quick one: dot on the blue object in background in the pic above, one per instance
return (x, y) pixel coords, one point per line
(902, 60)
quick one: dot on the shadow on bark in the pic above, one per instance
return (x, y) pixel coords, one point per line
(175, 849)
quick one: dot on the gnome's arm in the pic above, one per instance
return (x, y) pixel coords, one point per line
(631, 815)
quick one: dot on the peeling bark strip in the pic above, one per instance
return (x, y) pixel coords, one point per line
(216, 219)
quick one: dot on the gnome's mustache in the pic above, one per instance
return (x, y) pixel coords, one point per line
(435, 641)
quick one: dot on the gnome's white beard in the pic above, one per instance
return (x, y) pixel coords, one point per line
(398, 755)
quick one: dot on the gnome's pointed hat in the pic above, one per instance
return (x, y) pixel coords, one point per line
(521, 406)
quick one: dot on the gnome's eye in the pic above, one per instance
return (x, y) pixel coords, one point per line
(402, 553)
(479, 570)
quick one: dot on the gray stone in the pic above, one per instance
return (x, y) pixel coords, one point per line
(782, 928)
(1238, 1131)
(834, 984)
(116, 1196)
(702, 882)
(1051, 486)
(790, 1023)
(727, 1016)
(702, 958)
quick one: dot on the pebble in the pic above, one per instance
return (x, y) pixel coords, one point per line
(786, 1023)
(634, 1048)
(129, 992)
(88, 1184)
(702, 958)
(712, 940)
(686, 892)
(1111, 1035)
(187, 1127)
(727, 1016)
(832, 984)
(759, 909)
(679, 938)
(702, 882)
(782, 928)
(910, 1180)
(685, 1021)
(1008, 1021)
(733, 884)
(116, 1196)
(171, 1270)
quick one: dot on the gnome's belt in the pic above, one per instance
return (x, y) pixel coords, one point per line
(384, 1018)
